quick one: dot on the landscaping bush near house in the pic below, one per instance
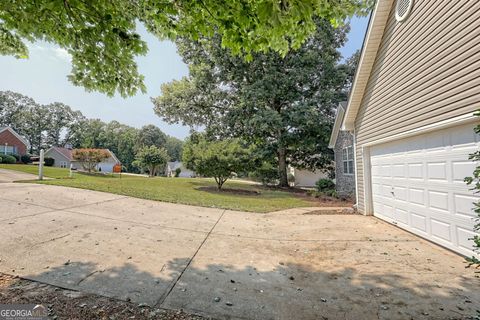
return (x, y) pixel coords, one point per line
(26, 159)
(49, 162)
(326, 187)
(8, 159)
(324, 184)
(177, 172)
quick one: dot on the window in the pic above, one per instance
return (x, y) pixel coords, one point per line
(347, 157)
(9, 149)
(63, 164)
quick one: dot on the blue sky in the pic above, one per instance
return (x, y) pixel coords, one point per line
(44, 78)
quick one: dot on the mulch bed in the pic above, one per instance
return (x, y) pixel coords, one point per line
(68, 304)
(230, 191)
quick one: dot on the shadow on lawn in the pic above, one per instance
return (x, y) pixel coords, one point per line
(289, 291)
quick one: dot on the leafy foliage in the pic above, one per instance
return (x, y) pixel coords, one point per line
(177, 172)
(26, 159)
(151, 159)
(284, 105)
(49, 162)
(474, 181)
(324, 185)
(102, 39)
(89, 158)
(266, 173)
(151, 135)
(7, 159)
(218, 159)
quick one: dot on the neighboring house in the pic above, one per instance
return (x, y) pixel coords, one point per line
(62, 156)
(107, 165)
(306, 178)
(411, 109)
(172, 167)
(63, 159)
(342, 144)
(12, 143)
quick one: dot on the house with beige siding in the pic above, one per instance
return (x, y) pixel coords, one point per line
(411, 111)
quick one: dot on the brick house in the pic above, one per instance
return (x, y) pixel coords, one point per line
(11, 142)
(342, 144)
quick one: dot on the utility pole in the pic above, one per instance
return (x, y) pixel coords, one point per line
(40, 165)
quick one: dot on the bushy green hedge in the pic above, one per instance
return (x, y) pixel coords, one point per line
(8, 159)
(49, 162)
(26, 158)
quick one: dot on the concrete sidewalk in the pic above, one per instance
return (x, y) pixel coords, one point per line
(226, 264)
(11, 176)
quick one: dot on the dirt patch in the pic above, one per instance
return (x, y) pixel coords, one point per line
(230, 191)
(329, 211)
(68, 304)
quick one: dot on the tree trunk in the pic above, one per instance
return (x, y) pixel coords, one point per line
(282, 167)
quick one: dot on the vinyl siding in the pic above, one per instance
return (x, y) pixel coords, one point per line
(427, 69)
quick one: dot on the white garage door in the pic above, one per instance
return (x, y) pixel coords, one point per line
(417, 184)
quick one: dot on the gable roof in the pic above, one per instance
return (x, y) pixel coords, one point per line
(19, 137)
(66, 153)
(114, 157)
(338, 124)
(371, 43)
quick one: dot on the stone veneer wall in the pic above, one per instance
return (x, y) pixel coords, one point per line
(345, 184)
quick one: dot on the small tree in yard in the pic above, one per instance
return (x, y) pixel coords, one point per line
(90, 157)
(218, 159)
(475, 182)
(151, 158)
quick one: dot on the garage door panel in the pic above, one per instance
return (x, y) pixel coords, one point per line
(418, 221)
(415, 171)
(437, 171)
(441, 229)
(438, 200)
(462, 169)
(463, 205)
(464, 237)
(401, 216)
(418, 184)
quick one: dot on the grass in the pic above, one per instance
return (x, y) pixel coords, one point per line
(176, 190)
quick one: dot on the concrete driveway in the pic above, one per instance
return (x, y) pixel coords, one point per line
(229, 265)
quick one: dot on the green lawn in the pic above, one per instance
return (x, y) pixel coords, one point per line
(177, 190)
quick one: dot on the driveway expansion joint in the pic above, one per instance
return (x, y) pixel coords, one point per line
(165, 296)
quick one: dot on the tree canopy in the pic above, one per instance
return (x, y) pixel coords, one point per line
(151, 159)
(102, 36)
(284, 105)
(217, 158)
(57, 124)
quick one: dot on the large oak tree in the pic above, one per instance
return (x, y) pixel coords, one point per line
(284, 105)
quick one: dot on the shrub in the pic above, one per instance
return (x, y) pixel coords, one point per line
(324, 185)
(177, 172)
(26, 159)
(8, 159)
(474, 181)
(49, 162)
(266, 174)
(16, 156)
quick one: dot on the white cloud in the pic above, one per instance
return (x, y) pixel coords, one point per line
(63, 54)
(51, 51)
